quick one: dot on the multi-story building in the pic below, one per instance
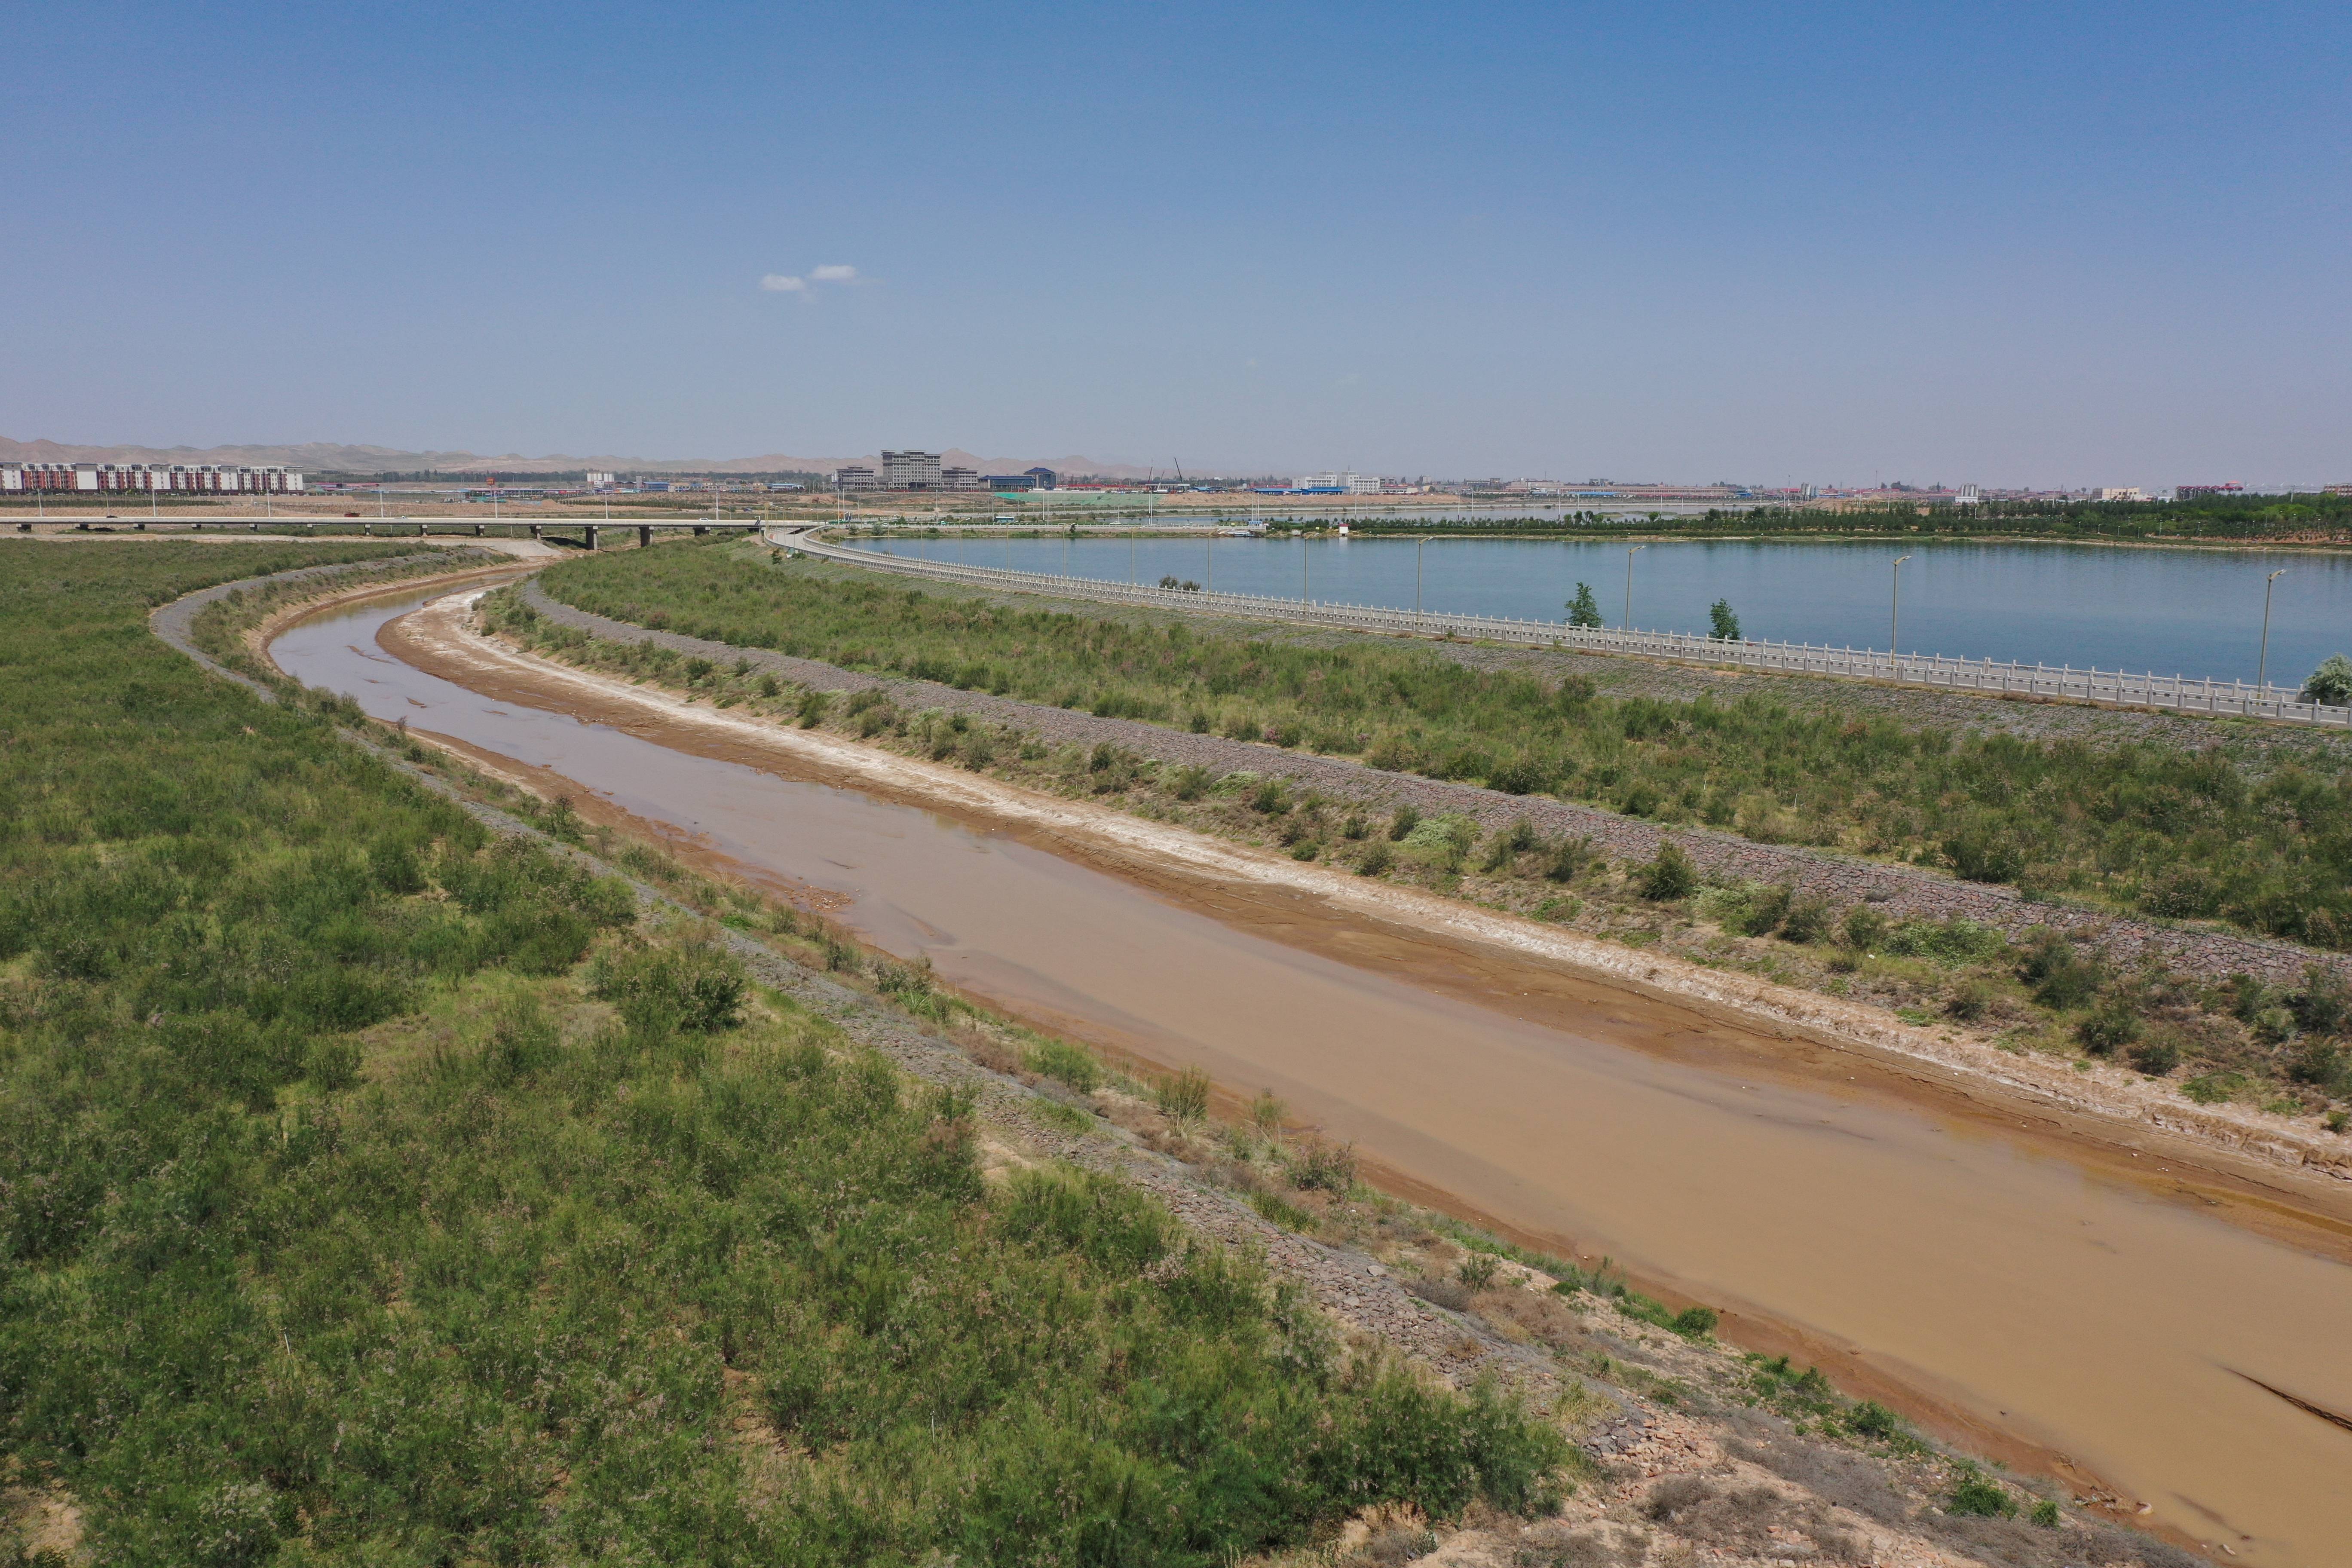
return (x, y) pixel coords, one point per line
(954, 479)
(910, 470)
(199, 478)
(855, 477)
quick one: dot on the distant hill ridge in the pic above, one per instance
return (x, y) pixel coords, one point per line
(329, 456)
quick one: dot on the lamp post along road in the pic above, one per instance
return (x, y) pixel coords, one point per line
(1629, 583)
(2263, 669)
(1894, 610)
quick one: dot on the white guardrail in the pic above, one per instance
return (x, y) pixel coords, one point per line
(2185, 694)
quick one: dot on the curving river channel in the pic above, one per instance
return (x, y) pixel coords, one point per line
(2110, 1307)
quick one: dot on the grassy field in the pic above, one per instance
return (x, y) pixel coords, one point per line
(378, 1191)
(2153, 829)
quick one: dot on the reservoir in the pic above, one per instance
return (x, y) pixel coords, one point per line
(2100, 1309)
(2171, 611)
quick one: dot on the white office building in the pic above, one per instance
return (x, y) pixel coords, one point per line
(910, 470)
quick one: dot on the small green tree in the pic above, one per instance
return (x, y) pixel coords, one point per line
(2331, 683)
(1722, 625)
(1584, 610)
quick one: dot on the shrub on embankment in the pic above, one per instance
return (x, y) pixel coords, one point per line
(2152, 828)
(372, 1189)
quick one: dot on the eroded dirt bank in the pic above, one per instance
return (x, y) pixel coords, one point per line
(1471, 1067)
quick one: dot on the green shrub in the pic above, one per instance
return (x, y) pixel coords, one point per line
(1767, 907)
(692, 983)
(1807, 920)
(1865, 927)
(2058, 977)
(2319, 1063)
(1184, 1096)
(2156, 1056)
(1871, 1419)
(1329, 1167)
(2108, 1029)
(1695, 1322)
(1375, 860)
(1069, 1063)
(2047, 1515)
(1098, 1216)
(1670, 877)
(1440, 842)
(1406, 819)
(1983, 1498)
(1969, 1001)
(1477, 1272)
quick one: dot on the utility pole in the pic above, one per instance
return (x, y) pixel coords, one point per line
(2263, 669)
(1629, 583)
(1894, 610)
(1416, 577)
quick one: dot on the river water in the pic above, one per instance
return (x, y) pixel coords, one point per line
(2175, 612)
(2099, 1310)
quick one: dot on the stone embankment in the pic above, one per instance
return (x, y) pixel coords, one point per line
(1901, 891)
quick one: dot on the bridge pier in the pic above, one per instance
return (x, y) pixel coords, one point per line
(477, 530)
(592, 536)
(139, 526)
(645, 537)
(699, 530)
(534, 531)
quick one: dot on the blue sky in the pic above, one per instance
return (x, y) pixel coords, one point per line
(2007, 243)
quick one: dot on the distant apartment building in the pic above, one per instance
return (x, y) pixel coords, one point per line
(954, 479)
(910, 470)
(2197, 492)
(192, 478)
(855, 477)
(2121, 492)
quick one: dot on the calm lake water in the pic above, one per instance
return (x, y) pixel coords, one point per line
(2175, 612)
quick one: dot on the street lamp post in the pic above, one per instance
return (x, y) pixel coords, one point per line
(1629, 583)
(1416, 580)
(1895, 609)
(2263, 669)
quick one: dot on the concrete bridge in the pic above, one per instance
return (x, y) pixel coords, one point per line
(588, 530)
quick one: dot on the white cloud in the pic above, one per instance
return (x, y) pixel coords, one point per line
(834, 274)
(777, 283)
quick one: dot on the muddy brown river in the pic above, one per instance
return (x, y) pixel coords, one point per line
(2106, 1308)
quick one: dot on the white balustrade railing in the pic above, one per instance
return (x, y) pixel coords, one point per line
(2188, 694)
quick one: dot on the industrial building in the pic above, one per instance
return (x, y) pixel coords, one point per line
(1039, 479)
(1339, 484)
(193, 479)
